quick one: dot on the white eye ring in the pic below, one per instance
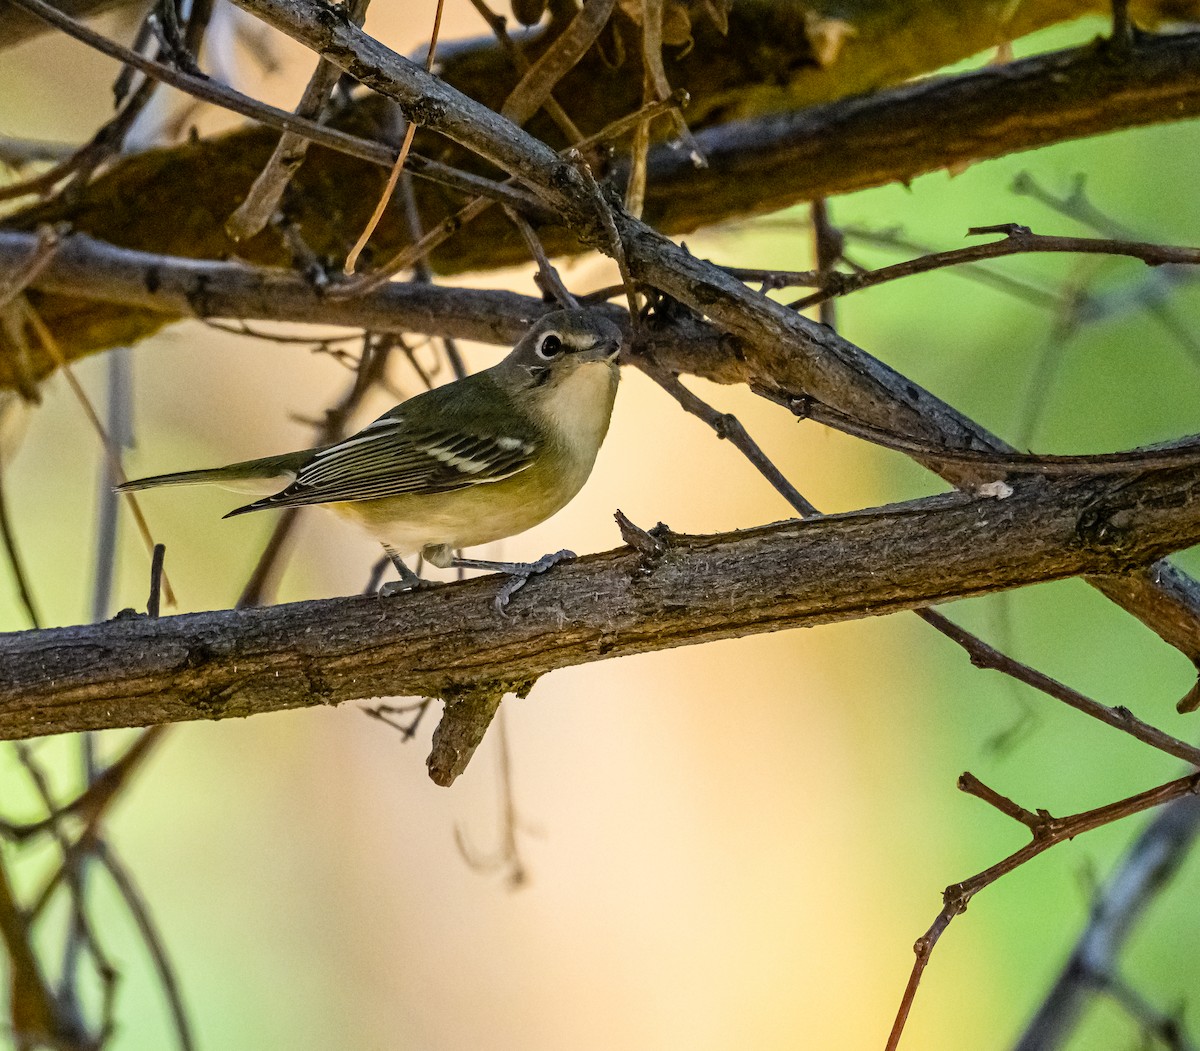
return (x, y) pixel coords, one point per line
(550, 347)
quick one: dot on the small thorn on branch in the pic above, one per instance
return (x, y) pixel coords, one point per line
(650, 543)
(1190, 701)
(157, 557)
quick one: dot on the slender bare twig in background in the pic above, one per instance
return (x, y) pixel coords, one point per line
(1046, 832)
(19, 153)
(398, 166)
(26, 272)
(422, 274)
(119, 428)
(15, 562)
(1147, 868)
(212, 91)
(499, 27)
(361, 284)
(71, 873)
(615, 245)
(255, 590)
(548, 278)
(655, 86)
(829, 244)
(87, 158)
(112, 455)
(1120, 718)
(33, 1007)
(539, 80)
(1180, 453)
(1018, 240)
(93, 803)
(147, 928)
(507, 855)
(635, 188)
(386, 713)
(980, 273)
(1152, 1022)
(728, 426)
(263, 198)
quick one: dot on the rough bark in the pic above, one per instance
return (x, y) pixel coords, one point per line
(135, 671)
(765, 151)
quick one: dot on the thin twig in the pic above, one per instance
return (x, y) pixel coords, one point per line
(156, 573)
(1150, 863)
(1182, 453)
(74, 857)
(616, 247)
(829, 244)
(1018, 240)
(1075, 205)
(263, 198)
(1120, 718)
(140, 911)
(980, 273)
(1049, 832)
(521, 64)
(728, 426)
(548, 277)
(112, 455)
(407, 257)
(94, 802)
(13, 283)
(654, 77)
(254, 591)
(539, 80)
(398, 166)
(212, 91)
(119, 428)
(81, 163)
(507, 854)
(15, 562)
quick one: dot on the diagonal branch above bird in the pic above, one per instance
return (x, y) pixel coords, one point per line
(476, 460)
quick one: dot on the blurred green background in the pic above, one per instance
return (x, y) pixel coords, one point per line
(728, 846)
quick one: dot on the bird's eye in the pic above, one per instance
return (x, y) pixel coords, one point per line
(550, 347)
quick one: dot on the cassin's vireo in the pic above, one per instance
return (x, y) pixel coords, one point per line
(473, 461)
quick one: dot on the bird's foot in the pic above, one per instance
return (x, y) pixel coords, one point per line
(398, 587)
(409, 581)
(523, 571)
(518, 572)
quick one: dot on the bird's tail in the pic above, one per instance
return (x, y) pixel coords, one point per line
(257, 477)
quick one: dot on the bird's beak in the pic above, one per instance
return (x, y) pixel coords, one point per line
(602, 350)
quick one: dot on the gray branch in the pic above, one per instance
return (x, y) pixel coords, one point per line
(138, 671)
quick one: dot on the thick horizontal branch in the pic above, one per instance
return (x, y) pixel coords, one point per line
(449, 639)
(778, 348)
(755, 165)
(17, 26)
(771, 162)
(158, 289)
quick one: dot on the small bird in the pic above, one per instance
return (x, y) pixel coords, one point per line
(476, 460)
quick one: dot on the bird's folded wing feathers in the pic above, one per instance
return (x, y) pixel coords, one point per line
(389, 458)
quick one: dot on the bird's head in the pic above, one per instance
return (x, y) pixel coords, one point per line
(562, 343)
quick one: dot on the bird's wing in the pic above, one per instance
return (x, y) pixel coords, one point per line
(389, 457)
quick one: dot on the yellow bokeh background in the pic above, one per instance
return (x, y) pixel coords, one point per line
(728, 846)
